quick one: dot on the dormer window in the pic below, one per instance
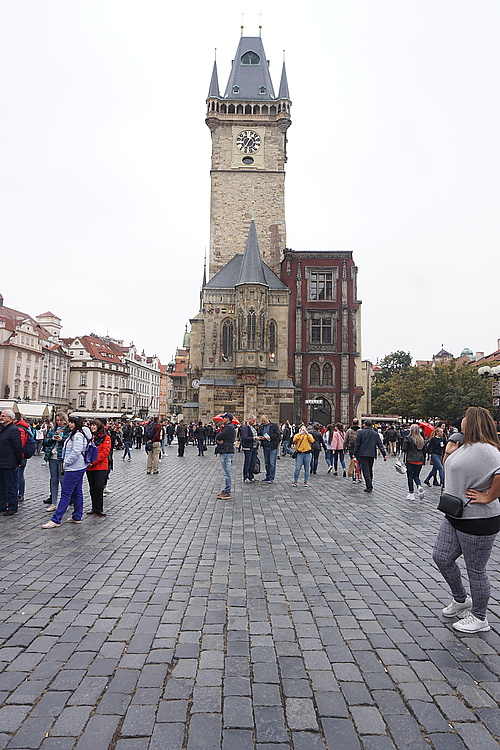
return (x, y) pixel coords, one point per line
(250, 58)
(236, 89)
(262, 90)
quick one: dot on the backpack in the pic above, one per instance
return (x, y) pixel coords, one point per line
(29, 446)
(90, 453)
(149, 431)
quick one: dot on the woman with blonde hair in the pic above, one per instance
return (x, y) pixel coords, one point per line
(413, 449)
(472, 473)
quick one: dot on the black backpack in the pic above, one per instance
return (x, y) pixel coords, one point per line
(149, 431)
(29, 447)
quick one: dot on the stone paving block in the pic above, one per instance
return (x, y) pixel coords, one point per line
(98, 733)
(11, 717)
(340, 733)
(377, 743)
(475, 736)
(368, 720)
(300, 714)
(32, 732)
(447, 742)
(58, 743)
(405, 732)
(307, 741)
(139, 721)
(270, 724)
(167, 735)
(71, 721)
(141, 743)
(237, 713)
(205, 732)
(237, 739)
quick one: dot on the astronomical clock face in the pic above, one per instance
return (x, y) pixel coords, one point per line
(248, 141)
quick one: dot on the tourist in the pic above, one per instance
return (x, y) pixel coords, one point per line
(53, 450)
(74, 466)
(200, 434)
(472, 473)
(153, 447)
(435, 449)
(365, 450)
(249, 446)
(317, 446)
(181, 433)
(303, 441)
(128, 439)
(97, 472)
(11, 453)
(269, 438)
(225, 449)
(413, 449)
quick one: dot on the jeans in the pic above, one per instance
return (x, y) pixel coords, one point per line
(21, 484)
(226, 460)
(201, 446)
(71, 490)
(154, 458)
(126, 448)
(329, 457)
(56, 478)
(314, 461)
(437, 466)
(302, 460)
(338, 454)
(413, 474)
(8, 489)
(249, 464)
(181, 442)
(270, 455)
(366, 466)
(285, 447)
(163, 446)
(97, 482)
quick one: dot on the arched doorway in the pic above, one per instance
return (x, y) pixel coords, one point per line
(321, 413)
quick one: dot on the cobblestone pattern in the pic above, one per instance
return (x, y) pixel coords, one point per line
(285, 618)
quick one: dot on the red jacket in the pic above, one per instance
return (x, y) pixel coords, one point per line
(24, 433)
(103, 451)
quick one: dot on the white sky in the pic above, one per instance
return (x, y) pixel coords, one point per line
(393, 153)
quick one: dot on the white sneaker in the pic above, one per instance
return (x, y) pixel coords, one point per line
(410, 496)
(454, 607)
(106, 491)
(51, 508)
(472, 624)
(421, 492)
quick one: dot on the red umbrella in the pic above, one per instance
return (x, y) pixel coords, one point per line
(427, 428)
(218, 418)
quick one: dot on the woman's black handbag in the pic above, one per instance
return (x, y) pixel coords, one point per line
(451, 505)
(256, 466)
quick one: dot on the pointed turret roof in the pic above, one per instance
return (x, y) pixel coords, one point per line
(250, 77)
(214, 83)
(283, 92)
(252, 267)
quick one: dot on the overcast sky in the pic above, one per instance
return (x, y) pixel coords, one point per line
(393, 153)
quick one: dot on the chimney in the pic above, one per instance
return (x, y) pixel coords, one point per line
(479, 355)
(498, 343)
(1, 301)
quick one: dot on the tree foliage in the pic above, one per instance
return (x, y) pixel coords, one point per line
(444, 391)
(391, 364)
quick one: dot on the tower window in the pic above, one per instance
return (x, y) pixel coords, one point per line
(240, 330)
(321, 286)
(262, 90)
(236, 89)
(227, 340)
(321, 331)
(327, 374)
(250, 58)
(251, 326)
(272, 338)
(314, 374)
(247, 160)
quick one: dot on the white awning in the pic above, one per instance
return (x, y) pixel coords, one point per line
(34, 410)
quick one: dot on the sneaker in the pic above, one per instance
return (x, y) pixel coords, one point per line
(344, 474)
(294, 484)
(329, 469)
(73, 520)
(223, 496)
(427, 483)
(421, 492)
(410, 496)
(50, 525)
(155, 472)
(48, 501)
(472, 624)
(305, 484)
(51, 508)
(335, 473)
(106, 491)
(246, 481)
(454, 607)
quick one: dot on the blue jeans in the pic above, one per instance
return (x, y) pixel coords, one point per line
(56, 478)
(201, 446)
(126, 448)
(413, 474)
(437, 466)
(8, 489)
(270, 455)
(71, 490)
(21, 484)
(249, 464)
(302, 460)
(338, 454)
(285, 447)
(226, 460)
(329, 457)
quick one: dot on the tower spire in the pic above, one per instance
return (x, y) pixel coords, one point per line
(252, 267)
(214, 81)
(283, 92)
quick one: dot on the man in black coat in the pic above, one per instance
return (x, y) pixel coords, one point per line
(11, 454)
(225, 449)
(270, 436)
(365, 450)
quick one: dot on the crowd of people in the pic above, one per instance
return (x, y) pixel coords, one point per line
(464, 458)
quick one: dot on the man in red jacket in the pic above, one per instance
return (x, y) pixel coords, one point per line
(24, 431)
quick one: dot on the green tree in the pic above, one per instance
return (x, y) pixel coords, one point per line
(391, 364)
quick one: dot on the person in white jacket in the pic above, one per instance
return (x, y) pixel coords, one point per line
(74, 466)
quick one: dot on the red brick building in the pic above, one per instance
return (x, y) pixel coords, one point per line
(324, 344)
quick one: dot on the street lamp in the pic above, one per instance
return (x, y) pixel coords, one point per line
(494, 373)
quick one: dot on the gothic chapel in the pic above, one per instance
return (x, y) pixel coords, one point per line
(265, 339)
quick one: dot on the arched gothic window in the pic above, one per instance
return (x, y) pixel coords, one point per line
(227, 340)
(241, 321)
(327, 374)
(251, 329)
(314, 374)
(272, 338)
(262, 331)
(250, 58)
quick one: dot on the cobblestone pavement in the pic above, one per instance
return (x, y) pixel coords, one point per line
(286, 618)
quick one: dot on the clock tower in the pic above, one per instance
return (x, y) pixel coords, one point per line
(248, 125)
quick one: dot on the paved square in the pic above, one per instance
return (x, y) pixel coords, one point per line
(286, 617)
